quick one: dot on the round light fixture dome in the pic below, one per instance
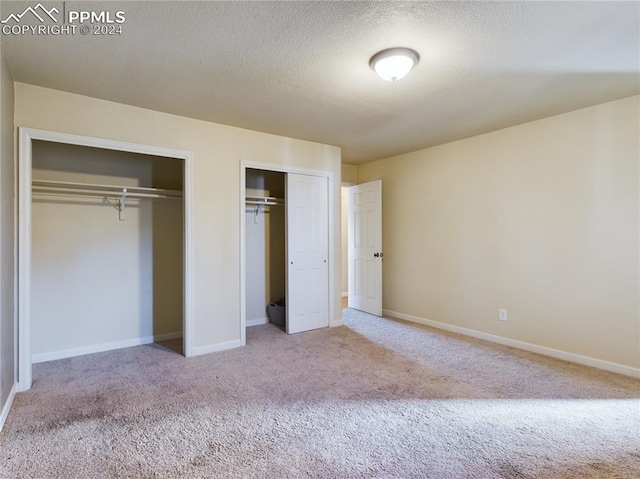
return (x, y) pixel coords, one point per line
(394, 63)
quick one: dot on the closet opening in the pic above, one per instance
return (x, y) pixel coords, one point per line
(104, 247)
(265, 248)
(106, 250)
(285, 251)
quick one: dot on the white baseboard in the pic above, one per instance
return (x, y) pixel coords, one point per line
(534, 348)
(333, 324)
(7, 406)
(257, 322)
(99, 348)
(214, 348)
(345, 295)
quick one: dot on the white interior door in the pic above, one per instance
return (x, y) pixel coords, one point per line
(365, 247)
(307, 252)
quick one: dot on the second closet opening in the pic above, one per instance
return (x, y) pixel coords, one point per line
(265, 247)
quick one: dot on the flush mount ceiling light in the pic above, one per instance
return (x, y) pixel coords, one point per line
(394, 63)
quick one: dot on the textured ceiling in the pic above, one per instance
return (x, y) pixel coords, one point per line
(300, 69)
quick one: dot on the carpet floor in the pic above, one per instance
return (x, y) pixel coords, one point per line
(375, 398)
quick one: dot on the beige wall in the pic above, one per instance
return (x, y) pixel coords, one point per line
(349, 173)
(7, 223)
(541, 219)
(96, 280)
(217, 151)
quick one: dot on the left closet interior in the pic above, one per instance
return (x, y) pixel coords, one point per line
(106, 250)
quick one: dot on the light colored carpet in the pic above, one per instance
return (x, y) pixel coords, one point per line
(375, 398)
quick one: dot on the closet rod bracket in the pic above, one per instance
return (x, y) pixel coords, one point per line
(122, 204)
(256, 214)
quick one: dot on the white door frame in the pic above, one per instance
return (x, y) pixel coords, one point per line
(244, 164)
(344, 261)
(26, 137)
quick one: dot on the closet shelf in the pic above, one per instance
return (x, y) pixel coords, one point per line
(263, 200)
(84, 189)
(66, 188)
(259, 202)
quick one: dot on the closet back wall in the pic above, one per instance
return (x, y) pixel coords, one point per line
(97, 282)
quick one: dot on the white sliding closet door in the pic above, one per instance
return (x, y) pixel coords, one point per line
(307, 253)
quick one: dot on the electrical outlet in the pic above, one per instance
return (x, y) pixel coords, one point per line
(502, 314)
